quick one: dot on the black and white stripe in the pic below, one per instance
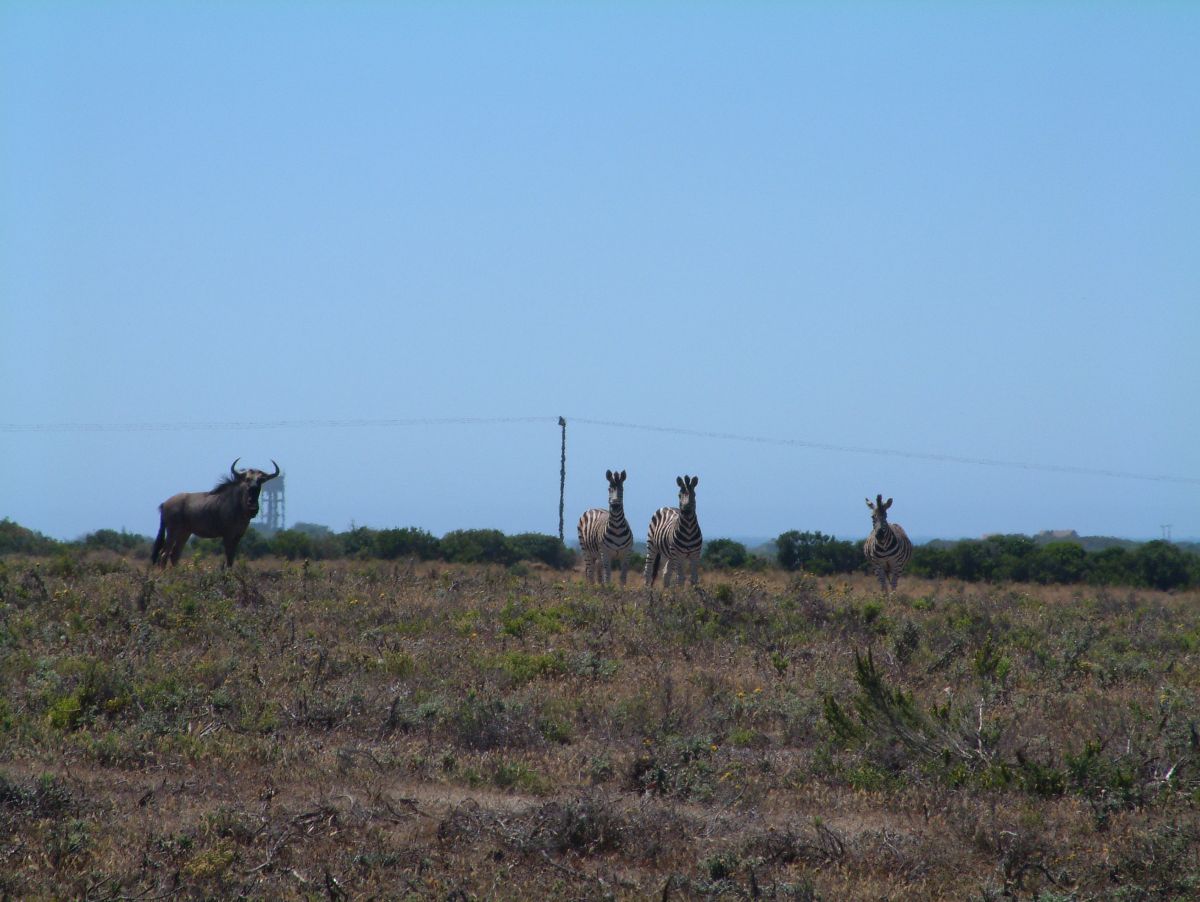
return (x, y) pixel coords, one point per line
(604, 535)
(675, 537)
(887, 547)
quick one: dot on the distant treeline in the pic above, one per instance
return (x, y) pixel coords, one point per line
(1013, 558)
(307, 541)
(1009, 558)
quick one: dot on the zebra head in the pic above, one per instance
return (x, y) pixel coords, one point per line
(879, 515)
(616, 489)
(687, 492)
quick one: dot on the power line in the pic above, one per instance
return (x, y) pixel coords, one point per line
(890, 452)
(270, 424)
(668, 430)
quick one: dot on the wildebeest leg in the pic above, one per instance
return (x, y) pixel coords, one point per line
(231, 544)
(176, 539)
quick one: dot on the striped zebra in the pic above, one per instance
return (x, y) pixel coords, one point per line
(605, 534)
(674, 535)
(887, 548)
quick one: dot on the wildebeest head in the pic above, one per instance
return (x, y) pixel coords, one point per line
(248, 483)
(879, 515)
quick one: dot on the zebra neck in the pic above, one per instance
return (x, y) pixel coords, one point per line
(618, 532)
(687, 520)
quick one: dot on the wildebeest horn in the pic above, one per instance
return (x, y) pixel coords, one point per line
(233, 466)
(276, 473)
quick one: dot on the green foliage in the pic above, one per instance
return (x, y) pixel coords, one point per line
(1059, 562)
(293, 545)
(16, 539)
(533, 546)
(818, 553)
(478, 546)
(390, 544)
(1161, 565)
(110, 540)
(521, 667)
(725, 554)
(1156, 565)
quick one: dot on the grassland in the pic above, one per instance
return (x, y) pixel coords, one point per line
(374, 730)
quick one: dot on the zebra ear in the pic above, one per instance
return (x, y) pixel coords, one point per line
(888, 504)
(869, 504)
(622, 477)
(695, 481)
(608, 475)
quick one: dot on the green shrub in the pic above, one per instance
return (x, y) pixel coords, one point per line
(478, 546)
(390, 544)
(725, 554)
(532, 546)
(16, 539)
(818, 553)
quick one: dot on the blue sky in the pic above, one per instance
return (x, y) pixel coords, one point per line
(966, 230)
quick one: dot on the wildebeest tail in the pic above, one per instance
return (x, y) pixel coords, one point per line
(160, 539)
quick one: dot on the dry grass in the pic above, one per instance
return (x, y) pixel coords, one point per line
(375, 730)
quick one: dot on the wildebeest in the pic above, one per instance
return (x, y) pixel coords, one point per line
(223, 513)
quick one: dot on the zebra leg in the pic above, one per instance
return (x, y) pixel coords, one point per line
(881, 575)
(624, 568)
(695, 571)
(651, 567)
(606, 569)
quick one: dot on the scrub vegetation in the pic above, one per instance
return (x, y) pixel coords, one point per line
(418, 729)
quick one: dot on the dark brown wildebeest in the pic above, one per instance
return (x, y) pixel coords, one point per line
(223, 513)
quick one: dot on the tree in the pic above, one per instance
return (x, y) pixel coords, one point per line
(477, 546)
(407, 542)
(535, 546)
(817, 553)
(1161, 565)
(1059, 562)
(725, 554)
(15, 539)
(1112, 567)
(111, 540)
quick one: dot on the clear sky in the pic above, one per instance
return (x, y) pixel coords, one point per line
(951, 229)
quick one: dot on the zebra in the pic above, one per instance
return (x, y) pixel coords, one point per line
(674, 534)
(605, 534)
(887, 548)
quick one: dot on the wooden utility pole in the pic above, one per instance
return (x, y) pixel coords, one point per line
(562, 478)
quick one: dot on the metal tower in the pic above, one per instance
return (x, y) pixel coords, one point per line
(271, 513)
